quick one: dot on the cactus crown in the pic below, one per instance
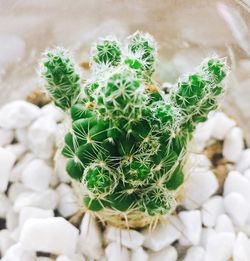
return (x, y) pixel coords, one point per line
(128, 138)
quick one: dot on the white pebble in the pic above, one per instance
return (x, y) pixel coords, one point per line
(200, 185)
(168, 254)
(37, 175)
(60, 168)
(195, 253)
(222, 124)
(237, 208)
(18, 114)
(11, 219)
(22, 136)
(235, 182)
(139, 254)
(74, 257)
(114, 251)
(195, 161)
(206, 233)
(224, 224)
(5, 241)
(52, 111)
(6, 136)
(211, 209)
(54, 235)
(244, 161)
(247, 174)
(219, 247)
(241, 250)
(41, 137)
(17, 149)
(233, 144)
(67, 200)
(15, 190)
(4, 205)
(192, 225)
(163, 235)
(7, 160)
(90, 237)
(47, 199)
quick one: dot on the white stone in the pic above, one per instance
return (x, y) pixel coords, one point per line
(235, 182)
(18, 114)
(247, 174)
(128, 238)
(237, 208)
(7, 160)
(67, 200)
(244, 161)
(195, 161)
(199, 186)
(37, 175)
(44, 258)
(52, 111)
(219, 247)
(224, 224)
(60, 168)
(206, 233)
(241, 250)
(11, 219)
(41, 137)
(4, 205)
(195, 253)
(54, 235)
(233, 144)
(139, 254)
(22, 136)
(27, 213)
(222, 124)
(18, 253)
(168, 254)
(74, 257)
(17, 149)
(6, 136)
(192, 225)
(114, 251)
(5, 241)
(211, 209)
(163, 235)
(47, 199)
(15, 190)
(90, 237)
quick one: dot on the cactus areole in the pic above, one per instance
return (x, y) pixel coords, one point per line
(128, 139)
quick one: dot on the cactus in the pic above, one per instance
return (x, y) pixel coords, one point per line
(128, 139)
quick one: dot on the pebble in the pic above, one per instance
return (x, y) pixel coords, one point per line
(5, 241)
(17, 149)
(47, 199)
(6, 136)
(22, 136)
(241, 250)
(11, 219)
(18, 114)
(233, 144)
(60, 168)
(244, 161)
(195, 253)
(114, 251)
(37, 175)
(90, 237)
(168, 254)
(53, 112)
(222, 124)
(224, 224)
(139, 254)
(15, 190)
(4, 205)
(54, 235)
(67, 200)
(129, 238)
(74, 257)
(200, 185)
(41, 136)
(196, 161)
(206, 233)
(163, 235)
(191, 221)
(7, 160)
(211, 209)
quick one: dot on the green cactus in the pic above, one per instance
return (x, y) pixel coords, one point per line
(128, 139)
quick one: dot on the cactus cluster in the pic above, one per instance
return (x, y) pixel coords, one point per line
(128, 138)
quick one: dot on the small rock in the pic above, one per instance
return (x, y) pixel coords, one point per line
(206, 233)
(47, 199)
(18, 114)
(195, 253)
(244, 161)
(90, 237)
(22, 136)
(196, 161)
(219, 247)
(139, 254)
(200, 185)
(163, 235)
(5, 241)
(11, 219)
(7, 160)
(192, 225)
(233, 144)
(41, 137)
(4, 205)
(237, 208)
(222, 124)
(17, 149)
(15, 190)
(75, 257)
(241, 250)
(114, 251)
(235, 182)
(247, 174)
(60, 168)
(6, 136)
(211, 209)
(128, 238)
(52, 111)
(67, 201)
(224, 224)
(168, 254)
(37, 175)
(54, 235)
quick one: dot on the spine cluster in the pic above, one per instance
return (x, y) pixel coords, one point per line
(128, 139)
